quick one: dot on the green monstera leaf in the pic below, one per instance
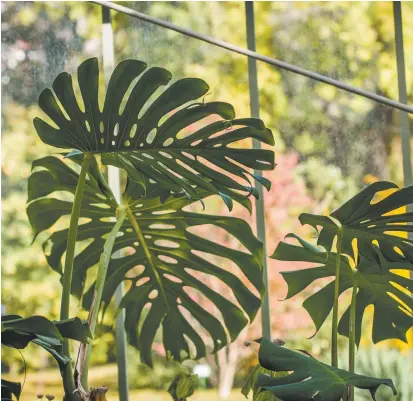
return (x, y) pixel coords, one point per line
(163, 257)
(370, 222)
(18, 332)
(156, 130)
(375, 279)
(310, 380)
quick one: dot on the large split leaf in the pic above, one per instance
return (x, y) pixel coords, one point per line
(156, 131)
(310, 380)
(369, 222)
(18, 332)
(377, 280)
(161, 261)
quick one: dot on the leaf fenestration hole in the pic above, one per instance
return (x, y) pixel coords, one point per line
(398, 250)
(168, 142)
(164, 154)
(400, 302)
(153, 294)
(160, 212)
(87, 125)
(63, 110)
(172, 278)
(132, 132)
(100, 205)
(151, 136)
(102, 127)
(142, 281)
(186, 166)
(135, 272)
(116, 130)
(127, 143)
(159, 226)
(168, 259)
(127, 250)
(126, 96)
(166, 243)
(110, 219)
(189, 155)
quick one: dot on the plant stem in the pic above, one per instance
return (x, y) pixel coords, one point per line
(85, 349)
(67, 374)
(352, 336)
(334, 329)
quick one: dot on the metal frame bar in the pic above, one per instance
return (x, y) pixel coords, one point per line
(401, 78)
(249, 53)
(404, 118)
(114, 183)
(259, 203)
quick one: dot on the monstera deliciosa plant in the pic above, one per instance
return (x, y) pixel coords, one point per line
(175, 151)
(365, 247)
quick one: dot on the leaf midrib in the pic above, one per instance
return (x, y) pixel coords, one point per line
(148, 255)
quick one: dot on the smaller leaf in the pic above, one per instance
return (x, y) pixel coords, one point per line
(74, 329)
(183, 386)
(310, 380)
(8, 389)
(18, 332)
(38, 325)
(251, 385)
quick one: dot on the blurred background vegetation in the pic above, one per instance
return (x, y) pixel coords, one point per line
(329, 144)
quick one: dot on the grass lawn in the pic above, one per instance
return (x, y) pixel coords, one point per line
(48, 382)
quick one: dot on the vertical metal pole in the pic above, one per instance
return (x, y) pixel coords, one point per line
(401, 77)
(259, 204)
(404, 118)
(114, 183)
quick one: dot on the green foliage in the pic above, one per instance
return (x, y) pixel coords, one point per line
(374, 280)
(157, 238)
(18, 332)
(8, 389)
(151, 154)
(333, 190)
(330, 121)
(145, 139)
(251, 385)
(310, 379)
(183, 386)
(369, 222)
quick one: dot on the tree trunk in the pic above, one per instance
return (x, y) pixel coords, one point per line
(227, 361)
